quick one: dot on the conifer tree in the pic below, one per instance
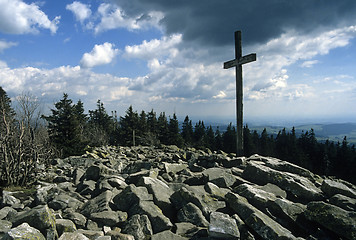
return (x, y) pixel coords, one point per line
(174, 138)
(64, 128)
(129, 125)
(152, 122)
(229, 139)
(162, 126)
(187, 131)
(199, 134)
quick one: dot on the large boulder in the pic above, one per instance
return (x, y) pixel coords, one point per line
(333, 218)
(98, 204)
(192, 214)
(333, 187)
(222, 226)
(197, 195)
(220, 176)
(160, 192)
(130, 196)
(139, 226)
(109, 218)
(263, 225)
(298, 187)
(25, 232)
(158, 220)
(39, 217)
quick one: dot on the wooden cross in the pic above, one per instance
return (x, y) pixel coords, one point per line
(237, 62)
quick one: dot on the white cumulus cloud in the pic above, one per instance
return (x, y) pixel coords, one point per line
(81, 11)
(4, 45)
(100, 55)
(155, 48)
(18, 17)
(113, 17)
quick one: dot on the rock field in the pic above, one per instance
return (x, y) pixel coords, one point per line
(169, 193)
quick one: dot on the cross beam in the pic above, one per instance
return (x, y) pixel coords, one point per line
(238, 62)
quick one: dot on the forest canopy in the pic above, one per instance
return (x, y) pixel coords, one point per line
(27, 137)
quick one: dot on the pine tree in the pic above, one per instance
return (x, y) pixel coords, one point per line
(152, 122)
(218, 143)
(199, 134)
(187, 131)
(174, 137)
(162, 126)
(64, 128)
(209, 140)
(229, 139)
(129, 125)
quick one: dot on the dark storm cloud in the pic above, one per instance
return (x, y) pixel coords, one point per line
(212, 22)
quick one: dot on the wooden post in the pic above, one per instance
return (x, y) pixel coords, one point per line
(237, 62)
(239, 104)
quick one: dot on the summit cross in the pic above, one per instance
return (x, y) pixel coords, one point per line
(237, 62)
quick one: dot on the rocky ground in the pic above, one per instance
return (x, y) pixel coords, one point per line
(169, 193)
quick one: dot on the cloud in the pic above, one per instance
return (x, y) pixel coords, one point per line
(113, 17)
(81, 11)
(155, 48)
(212, 22)
(18, 17)
(100, 55)
(309, 64)
(49, 84)
(4, 45)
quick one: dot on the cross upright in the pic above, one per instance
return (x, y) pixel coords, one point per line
(237, 62)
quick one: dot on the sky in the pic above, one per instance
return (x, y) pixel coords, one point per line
(168, 55)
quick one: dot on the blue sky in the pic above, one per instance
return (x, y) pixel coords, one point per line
(168, 55)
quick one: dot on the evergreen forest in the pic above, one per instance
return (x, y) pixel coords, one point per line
(28, 138)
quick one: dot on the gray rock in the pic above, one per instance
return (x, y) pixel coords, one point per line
(117, 182)
(222, 226)
(65, 225)
(117, 235)
(135, 177)
(333, 218)
(5, 226)
(130, 196)
(174, 167)
(220, 176)
(63, 201)
(78, 219)
(94, 172)
(139, 226)
(257, 197)
(97, 204)
(283, 166)
(271, 188)
(300, 187)
(215, 191)
(159, 221)
(192, 214)
(92, 235)
(109, 218)
(161, 194)
(86, 187)
(24, 231)
(186, 229)
(5, 211)
(39, 217)
(72, 236)
(197, 195)
(263, 225)
(331, 188)
(167, 235)
(344, 202)
(8, 199)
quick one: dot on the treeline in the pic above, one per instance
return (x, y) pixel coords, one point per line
(69, 130)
